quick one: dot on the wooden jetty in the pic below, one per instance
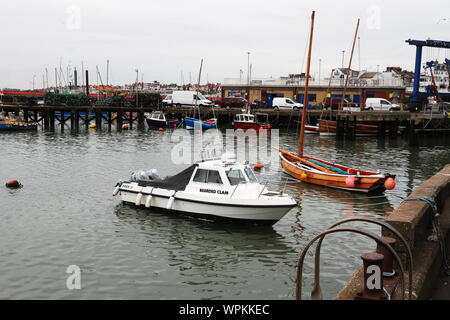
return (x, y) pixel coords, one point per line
(390, 123)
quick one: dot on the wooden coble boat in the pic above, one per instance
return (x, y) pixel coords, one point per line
(319, 172)
(324, 173)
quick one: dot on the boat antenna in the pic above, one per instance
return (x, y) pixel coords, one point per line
(305, 103)
(349, 67)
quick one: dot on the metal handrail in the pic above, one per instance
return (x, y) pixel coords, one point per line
(371, 235)
(316, 293)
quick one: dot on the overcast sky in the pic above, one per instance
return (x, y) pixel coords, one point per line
(164, 38)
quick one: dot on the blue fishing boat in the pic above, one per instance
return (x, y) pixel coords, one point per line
(7, 124)
(191, 123)
(157, 119)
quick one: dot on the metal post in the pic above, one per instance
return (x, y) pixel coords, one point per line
(418, 67)
(373, 277)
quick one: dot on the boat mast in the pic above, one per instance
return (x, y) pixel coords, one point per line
(305, 103)
(326, 96)
(349, 67)
(196, 94)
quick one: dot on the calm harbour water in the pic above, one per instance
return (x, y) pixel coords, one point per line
(65, 215)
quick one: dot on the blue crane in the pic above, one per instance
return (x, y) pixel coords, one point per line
(416, 94)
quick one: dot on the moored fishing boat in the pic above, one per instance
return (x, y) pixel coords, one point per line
(259, 121)
(324, 173)
(7, 124)
(157, 119)
(329, 128)
(213, 189)
(192, 123)
(310, 129)
(319, 172)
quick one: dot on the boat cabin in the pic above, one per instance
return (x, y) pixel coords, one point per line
(244, 118)
(157, 115)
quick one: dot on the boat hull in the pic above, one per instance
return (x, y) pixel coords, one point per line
(311, 129)
(191, 123)
(329, 128)
(366, 183)
(18, 127)
(258, 211)
(161, 123)
(250, 126)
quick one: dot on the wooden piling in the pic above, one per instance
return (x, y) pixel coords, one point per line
(51, 117)
(131, 120)
(98, 119)
(45, 115)
(109, 121)
(119, 120)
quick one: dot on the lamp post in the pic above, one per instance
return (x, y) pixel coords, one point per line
(34, 77)
(343, 55)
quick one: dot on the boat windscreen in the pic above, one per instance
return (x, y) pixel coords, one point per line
(177, 182)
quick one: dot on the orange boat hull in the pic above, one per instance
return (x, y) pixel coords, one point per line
(364, 184)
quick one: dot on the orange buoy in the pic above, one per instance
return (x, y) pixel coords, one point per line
(350, 181)
(13, 184)
(304, 176)
(258, 166)
(389, 184)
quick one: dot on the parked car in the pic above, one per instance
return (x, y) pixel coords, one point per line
(233, 103)
(380, 104)
(286, 103)
(189, 98)
(334, 104)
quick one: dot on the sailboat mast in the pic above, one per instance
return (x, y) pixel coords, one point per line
(349, 66)
(198, 86)
(305, 103)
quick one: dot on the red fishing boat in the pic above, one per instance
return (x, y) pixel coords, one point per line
(259, 121)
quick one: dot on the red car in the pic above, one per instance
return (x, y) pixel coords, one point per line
(233, 103)
(334, 103)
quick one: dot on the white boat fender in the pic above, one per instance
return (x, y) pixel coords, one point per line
(139, 199)
(148, 201)
(117, 189)
(171, 201)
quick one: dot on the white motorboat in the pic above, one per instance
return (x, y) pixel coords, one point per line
(213, 189)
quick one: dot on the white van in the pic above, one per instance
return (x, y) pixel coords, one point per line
(380, 104)
(286, 103)
(180, 98)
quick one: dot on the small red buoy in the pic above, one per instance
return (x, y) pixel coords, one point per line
(13, 184)
(161, 129)
(258, 166)
(350, 181)
(389, 184)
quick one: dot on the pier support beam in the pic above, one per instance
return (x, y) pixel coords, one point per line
(98, 119)
(51, 117)
(45, 115)
(119, 120)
